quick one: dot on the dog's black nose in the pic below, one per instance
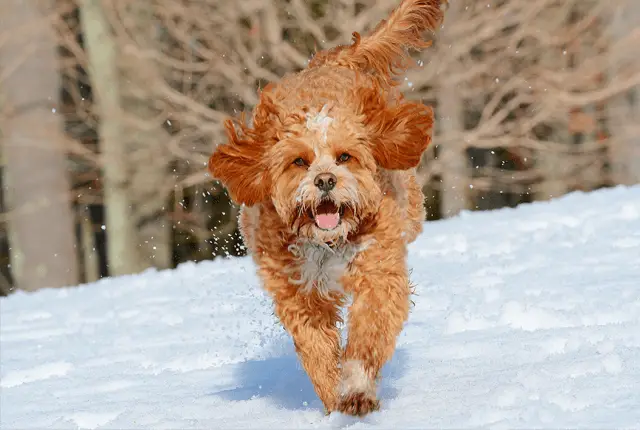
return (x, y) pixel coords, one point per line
(325, 181)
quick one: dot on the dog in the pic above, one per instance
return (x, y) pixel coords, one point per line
(324, 172)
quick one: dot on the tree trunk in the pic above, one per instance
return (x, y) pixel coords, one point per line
(123, 254)
(624, 110)
(149, 142)
(91, 264)
(41, 222)
(591, 175)
(450, 112)
(552, 161)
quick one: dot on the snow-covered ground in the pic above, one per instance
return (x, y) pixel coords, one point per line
(524, 318)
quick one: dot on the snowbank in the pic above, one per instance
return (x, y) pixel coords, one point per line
(526, 317)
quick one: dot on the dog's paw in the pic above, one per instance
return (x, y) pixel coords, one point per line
(358, 404)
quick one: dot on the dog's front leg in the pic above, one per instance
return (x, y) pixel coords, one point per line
(312, 322)
(380, 288)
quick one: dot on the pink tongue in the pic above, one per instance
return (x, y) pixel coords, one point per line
(328, 221)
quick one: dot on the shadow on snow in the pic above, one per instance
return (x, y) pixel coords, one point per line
(283, 381)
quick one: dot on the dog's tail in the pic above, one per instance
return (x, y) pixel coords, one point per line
(383, 51)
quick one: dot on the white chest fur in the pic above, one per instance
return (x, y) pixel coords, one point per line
(321, 267)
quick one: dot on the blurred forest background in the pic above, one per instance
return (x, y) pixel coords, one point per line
(109, 110)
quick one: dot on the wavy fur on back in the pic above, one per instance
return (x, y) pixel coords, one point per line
(383, 52)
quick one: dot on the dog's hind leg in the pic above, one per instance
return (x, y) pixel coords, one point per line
(312, 320)
(380, 307)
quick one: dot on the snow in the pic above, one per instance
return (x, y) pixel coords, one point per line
(523, 318)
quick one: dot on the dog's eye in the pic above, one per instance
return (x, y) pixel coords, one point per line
(299, 162)
(344, 157)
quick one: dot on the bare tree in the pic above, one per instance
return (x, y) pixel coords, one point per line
(533, 99)
(450, 116)
(37, 189)
(624, 109)
(146, 140)
(550, 159)
(123, 254)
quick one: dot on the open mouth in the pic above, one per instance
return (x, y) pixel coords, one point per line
(327, 215)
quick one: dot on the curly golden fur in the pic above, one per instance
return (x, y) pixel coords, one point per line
(326, 176)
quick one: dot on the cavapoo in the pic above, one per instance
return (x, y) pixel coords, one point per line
(325, 174)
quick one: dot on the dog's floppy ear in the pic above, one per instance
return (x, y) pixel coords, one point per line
(240, 164)
(399, 130)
